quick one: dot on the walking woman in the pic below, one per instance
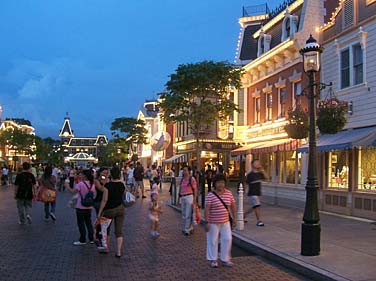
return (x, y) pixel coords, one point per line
(49, 181)
(100, 181)
(83, 213)
(112, 206)
(219, 205)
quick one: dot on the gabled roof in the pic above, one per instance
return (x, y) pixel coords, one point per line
(101, 140)
(19, 121)
(66, 130)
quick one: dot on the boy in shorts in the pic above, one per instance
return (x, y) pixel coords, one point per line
(254, 178)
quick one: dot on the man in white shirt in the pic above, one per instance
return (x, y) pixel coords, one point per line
(130, 179)
(4, 175)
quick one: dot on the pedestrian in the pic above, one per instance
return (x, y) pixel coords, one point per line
(155, 210)
(188, 195)
(138, 175)
(254, 179)
(4, 175)
(173, 180)
(130, 178)
(24, 191)
(72, 175)
(220, 204)
(48, 181)
(112, 207)
(100, 181)
(84, 183)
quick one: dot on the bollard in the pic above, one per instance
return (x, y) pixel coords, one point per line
(240, 224)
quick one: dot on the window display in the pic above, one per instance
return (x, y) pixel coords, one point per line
(367, 169)
(338, 169)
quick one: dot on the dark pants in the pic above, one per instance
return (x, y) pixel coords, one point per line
(209, 181)
(84, 222)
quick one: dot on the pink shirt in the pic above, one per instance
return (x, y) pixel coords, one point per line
(82, 191)
(217, 212)
(185, 187)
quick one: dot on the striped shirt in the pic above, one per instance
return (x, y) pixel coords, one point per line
(217, 212)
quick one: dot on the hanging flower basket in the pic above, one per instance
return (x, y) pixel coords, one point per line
(298, 126)
(331, 116)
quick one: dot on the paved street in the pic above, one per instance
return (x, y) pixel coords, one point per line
(44, 250)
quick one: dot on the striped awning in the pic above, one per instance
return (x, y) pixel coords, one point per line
(277, 145)
(178, 158)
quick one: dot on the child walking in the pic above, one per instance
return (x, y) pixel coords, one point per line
(155, 209)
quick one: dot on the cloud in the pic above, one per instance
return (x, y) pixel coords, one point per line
(44, 91)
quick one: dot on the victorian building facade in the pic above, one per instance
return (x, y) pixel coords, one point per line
(80, 151)
(348, 158)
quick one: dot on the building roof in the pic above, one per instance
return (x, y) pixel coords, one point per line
(19, 121)
(66, 130)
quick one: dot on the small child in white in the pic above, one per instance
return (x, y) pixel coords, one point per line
(155, 210)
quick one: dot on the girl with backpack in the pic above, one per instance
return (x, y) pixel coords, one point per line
(85, 201)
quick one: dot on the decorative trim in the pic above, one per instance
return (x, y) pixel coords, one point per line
(281, 83)
(256, 93)
(295, 77)
(268, 88)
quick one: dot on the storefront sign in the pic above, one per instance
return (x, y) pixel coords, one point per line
(263, 132)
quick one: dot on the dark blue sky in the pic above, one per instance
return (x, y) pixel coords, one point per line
(99, 60)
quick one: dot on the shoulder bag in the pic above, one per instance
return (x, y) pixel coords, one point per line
(224, 204)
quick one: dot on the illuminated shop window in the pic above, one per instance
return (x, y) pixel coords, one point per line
(289, 173)
(338, 169)
(367, 170)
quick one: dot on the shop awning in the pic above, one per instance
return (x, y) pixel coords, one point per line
(245, 149)
(277, 145)
(178, 158)
(364, 137)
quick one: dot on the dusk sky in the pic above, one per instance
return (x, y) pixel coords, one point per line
(99, 60)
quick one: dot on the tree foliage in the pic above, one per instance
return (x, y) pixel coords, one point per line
(128, 130)
(198, 94)
(18, 140)
(48, 151)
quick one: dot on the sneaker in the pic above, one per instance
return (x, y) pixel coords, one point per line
(78, 243)
(214, 264)
(46, 219)
(186, 233)
(29, 220)
(227, 263)
(21, 222)
(102, 250)
(53, 217)
(260, 223)
(91, 242)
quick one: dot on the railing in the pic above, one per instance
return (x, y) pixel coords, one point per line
(255, 10)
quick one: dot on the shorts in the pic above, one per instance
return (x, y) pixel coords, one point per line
(254, 200)
(153, 218)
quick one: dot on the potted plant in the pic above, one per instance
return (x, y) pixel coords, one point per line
(331, 116)
(298, 126)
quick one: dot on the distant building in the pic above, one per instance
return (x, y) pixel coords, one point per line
(80, 151)
(7, 153)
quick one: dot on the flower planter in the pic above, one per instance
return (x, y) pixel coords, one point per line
(331, 116)
(298, 126)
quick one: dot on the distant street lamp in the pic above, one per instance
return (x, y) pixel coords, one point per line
(310, 243)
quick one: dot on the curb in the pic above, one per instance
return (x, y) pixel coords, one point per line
(287, 261)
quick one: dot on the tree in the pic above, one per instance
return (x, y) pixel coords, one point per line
(110, 154)
(20, 142)
(128, 130)
(198, 94)
(48, 151)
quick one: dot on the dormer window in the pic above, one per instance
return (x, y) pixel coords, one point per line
(289, 26)
(263, 43)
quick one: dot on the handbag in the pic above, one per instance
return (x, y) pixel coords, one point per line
(129, 199)
(197, 214)
(224, 204)
(46, 195)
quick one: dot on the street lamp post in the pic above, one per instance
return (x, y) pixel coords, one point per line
(310, 241)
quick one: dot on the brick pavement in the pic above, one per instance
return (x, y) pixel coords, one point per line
(44, 250)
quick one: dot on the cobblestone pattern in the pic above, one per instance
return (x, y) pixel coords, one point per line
(44, 250)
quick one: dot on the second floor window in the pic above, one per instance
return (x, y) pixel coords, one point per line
(345, 68)
(282, 102)
(257, 110)
(351, 63)
(358, 64)
(269, 107)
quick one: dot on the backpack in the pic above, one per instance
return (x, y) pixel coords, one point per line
(138, 173)
(88, 200)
